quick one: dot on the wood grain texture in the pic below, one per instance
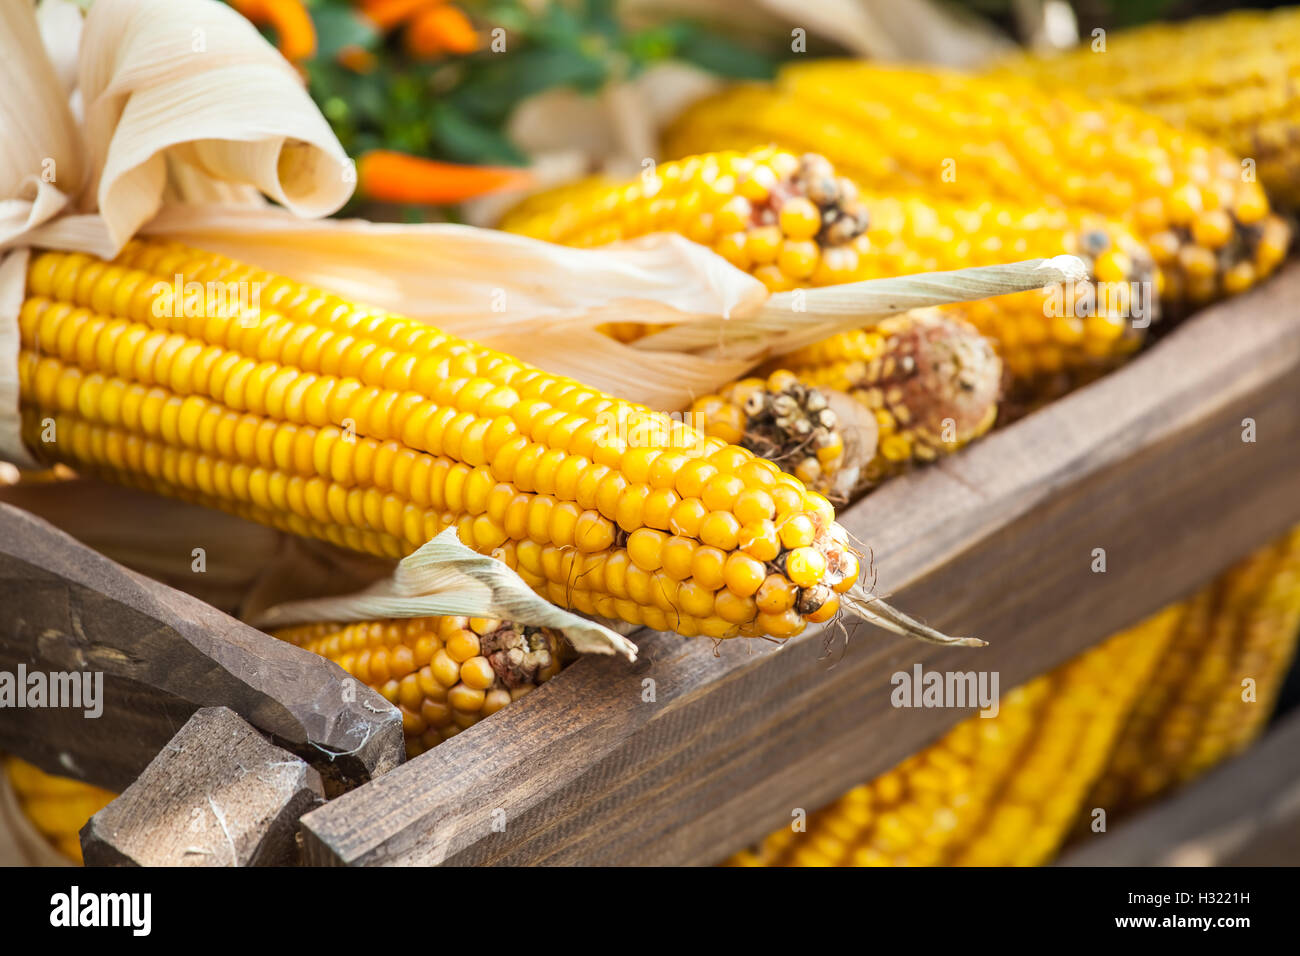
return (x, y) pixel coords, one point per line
(217, 795)
(1246, 812)
(1148, 464)
(163, 654)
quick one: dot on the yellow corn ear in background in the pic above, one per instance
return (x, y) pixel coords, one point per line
(794, 220)
(895, 130)
(375, 432)
(1116, 727)
(1215, 686)
(993, 791)
(58, 807)
(444, 674)
(1231, 76)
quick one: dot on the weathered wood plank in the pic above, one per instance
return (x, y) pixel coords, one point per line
(1148, 464)
(1243, 813)
(217, 795)
(163, 654)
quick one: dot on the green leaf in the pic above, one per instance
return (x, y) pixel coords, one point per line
(465, 141)
(717, 54)
(338, 27)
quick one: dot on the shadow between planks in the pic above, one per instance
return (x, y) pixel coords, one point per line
(699, 750)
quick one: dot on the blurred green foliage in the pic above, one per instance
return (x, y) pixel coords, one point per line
(455, 108)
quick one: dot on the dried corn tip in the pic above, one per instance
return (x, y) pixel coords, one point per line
(444, 674)
(58, 807)
(1230, 76)
(929, 383)
(1215, 685)
(780, 216)
(932, 383)
(970, 139)
(291, 406)
(791, 423)
(994, 791)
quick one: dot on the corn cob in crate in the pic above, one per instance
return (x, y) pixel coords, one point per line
(930, 383)
(444, 674)
(1231, 77)
(1216, 684)
(58, 807)
(994, 791)
(792, 220)
(966, 138)
(376, 432)
(1119, 725)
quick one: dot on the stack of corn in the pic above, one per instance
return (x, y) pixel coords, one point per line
(1215, 686)
(960, 137)
(1121, 724)
(444, 674)
(994, 791)
(1229, 76)
(58, 807)
(793, 220)
(328, 419)
(930, 383)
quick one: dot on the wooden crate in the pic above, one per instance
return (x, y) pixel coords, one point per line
(700, 749)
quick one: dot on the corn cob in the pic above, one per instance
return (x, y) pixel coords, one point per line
(780, 215)
(58, 807)
(1194, 714)
(444, 674)
(1001, 790)
(1231, 77)
(967, 138)
(376, 432)
(768, 225)
(930, 383)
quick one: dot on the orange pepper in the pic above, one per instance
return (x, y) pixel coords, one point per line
(357, 59)
(386, 14)
(388, 176)
(441, 29)
(294, 30)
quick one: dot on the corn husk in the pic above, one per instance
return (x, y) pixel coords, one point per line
(445, 577)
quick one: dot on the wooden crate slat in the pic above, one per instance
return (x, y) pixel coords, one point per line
(163, 654)
(1148, 464)
(217, 795)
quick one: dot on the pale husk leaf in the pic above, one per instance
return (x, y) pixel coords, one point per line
(161, 84)
(445, 577)
(791, 320)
